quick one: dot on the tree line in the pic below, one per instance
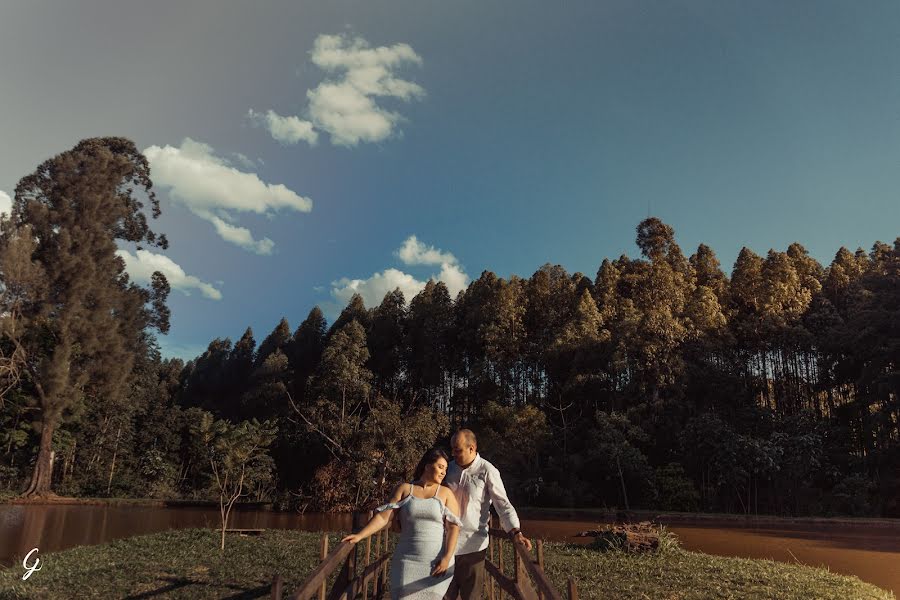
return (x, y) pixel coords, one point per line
(660, 382)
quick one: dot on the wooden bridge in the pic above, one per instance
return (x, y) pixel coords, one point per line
(365, 565)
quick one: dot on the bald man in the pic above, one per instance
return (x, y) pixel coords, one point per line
(477, 485)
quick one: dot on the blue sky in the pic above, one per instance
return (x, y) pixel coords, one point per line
(501, 135)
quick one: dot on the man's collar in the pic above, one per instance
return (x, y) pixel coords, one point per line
(471, 464)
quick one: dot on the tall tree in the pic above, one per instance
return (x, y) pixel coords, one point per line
(80, 328)
(277, 340)
(306, 351)
(354, 311)
(386, 342)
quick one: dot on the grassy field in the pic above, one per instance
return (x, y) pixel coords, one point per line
(187, 564)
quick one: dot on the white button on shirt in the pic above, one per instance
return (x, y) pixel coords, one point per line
(476, 488)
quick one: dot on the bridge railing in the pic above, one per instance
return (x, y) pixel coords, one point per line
(367, 563)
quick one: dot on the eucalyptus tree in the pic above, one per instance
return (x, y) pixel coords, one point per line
(385, 340)
(427, 346)
(306, 347)
(278, 339)
(354, 311)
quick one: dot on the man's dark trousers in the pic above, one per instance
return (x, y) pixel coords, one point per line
(468, 577)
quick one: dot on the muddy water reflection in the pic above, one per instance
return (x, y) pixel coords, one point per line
(871, 553)
(53, 528)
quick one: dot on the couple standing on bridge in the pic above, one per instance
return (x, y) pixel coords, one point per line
(444, 530)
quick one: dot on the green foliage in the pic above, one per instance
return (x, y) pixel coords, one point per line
(237, 456)
(773, 389)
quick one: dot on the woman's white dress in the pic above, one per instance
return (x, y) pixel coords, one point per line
(419, 548)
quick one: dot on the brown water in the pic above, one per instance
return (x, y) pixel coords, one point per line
(871, 553)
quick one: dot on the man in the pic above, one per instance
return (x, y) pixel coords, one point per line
(477, 485)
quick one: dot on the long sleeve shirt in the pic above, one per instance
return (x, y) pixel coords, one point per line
(477, 487)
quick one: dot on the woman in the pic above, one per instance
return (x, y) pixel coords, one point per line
(422, 565)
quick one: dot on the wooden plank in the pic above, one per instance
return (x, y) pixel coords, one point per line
(323, 554)
(277, 587)
(522, 579)
(245, 531)
(377, 582)
(573, 590)
(537, 575)
(320, 574)
(506, 584)
(540, 562)
(368, 558)
(367, 575)
(490, 580)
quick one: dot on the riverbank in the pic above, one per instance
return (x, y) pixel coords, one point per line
(527, 512)
(672, 518)
(144, 502)
(187, 564)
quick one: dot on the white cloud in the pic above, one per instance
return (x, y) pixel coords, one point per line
(287, 130)
(143, 264)
(185, 351)
(213, 190)
(5, 203)
(375, 287)
(244, 160)
(414, 252)
(344, 104)
(454, 278)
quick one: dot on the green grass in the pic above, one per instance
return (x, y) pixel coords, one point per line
(682, 575)
(188, 564)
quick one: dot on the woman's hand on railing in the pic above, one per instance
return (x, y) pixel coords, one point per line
(353, 538)
(441, 567)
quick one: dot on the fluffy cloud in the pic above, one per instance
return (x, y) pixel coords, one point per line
(375, 287)
(5, 203)
(344, 104)
(143, 264)
(412, 252)
(211, 188)
(287, 130)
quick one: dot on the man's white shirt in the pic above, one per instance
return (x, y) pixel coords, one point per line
(476, 488)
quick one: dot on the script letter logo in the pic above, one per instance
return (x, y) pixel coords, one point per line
(32, 568)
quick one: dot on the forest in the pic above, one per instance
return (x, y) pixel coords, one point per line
(658, 382)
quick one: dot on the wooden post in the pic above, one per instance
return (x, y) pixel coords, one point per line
(368, 558)
(500, 562)
(540, 562)
(573, 591)
(490, 580)
(387, 564)
(277, 586)
(323, 552)
(377, 556)
(359, 521)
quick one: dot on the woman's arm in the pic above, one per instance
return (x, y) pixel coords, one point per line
(452, 533)
(378, 520)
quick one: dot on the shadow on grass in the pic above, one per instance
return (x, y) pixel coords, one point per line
(178, 583)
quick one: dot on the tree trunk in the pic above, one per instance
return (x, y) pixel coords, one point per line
(112, 466)
(43, 467)
(622, 480)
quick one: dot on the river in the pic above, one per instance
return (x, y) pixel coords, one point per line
(871, 553)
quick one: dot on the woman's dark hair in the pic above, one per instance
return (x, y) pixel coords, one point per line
(429, 458)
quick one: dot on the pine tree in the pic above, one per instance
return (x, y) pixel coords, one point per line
(83, 325)
(277, 340)
(386, 340)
